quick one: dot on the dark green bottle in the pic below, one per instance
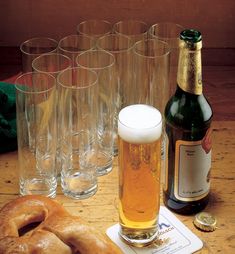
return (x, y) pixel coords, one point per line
(188, 118)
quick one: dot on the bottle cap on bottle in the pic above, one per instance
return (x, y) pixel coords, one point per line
(205, 221)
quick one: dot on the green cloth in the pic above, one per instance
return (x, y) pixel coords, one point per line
(8, 135)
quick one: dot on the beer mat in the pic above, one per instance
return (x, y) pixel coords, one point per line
(174, 237)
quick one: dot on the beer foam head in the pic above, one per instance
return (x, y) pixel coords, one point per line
(139, 124)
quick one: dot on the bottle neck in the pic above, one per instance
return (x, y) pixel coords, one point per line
(189, 76)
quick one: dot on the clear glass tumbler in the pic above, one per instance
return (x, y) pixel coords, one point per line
(73, 45)
(151, 72)
(102, 62)
(53, 64)
(151, 78)
(135, 29)
(94, 28)
(78, 96)
(121, 48)
(36, 133)
(35, 47)
(169, 32)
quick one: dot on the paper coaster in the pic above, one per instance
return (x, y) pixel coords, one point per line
(174, 237)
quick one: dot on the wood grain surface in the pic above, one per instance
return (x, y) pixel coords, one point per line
(101, 209)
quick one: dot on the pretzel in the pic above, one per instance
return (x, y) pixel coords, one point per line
(58, 231)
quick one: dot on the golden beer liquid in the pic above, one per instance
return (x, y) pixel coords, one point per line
(139, 185)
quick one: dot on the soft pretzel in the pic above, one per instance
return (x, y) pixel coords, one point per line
(58, 231)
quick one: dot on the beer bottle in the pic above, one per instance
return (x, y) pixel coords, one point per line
(188, 117)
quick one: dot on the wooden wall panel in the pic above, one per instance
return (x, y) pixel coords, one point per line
(22, 19)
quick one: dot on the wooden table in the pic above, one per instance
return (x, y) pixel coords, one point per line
(101, 209)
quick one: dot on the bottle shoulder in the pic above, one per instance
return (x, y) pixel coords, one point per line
(185, 109)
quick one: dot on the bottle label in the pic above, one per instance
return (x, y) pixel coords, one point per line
(192, 169)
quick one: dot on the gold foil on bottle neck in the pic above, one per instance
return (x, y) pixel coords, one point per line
(189, 76)
(190, 45)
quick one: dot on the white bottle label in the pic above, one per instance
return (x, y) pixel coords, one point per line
(192, 168)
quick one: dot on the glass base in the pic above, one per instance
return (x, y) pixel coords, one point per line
(37, 186)
(104, 164)
(138, 237)
(79, 185)
(80, 195)
(104, 170)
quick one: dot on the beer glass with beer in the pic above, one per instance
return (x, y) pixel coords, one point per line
(139, 132)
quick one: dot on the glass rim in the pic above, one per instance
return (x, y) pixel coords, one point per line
(130, 20)
(51, 54)
(95, 51)
(38, 38)
(75, 36)
(144, 128)
(115, 35)
(75, 87)
(176, 25)
(18, 85)
(152, 57)
(103, 21)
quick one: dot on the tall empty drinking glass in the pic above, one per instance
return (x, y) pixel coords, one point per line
(53, 64)
(102, 62)
(72, 45)
(94, 28)
(36, 133)
(78, 96)
(169, 32)
(35, 47)
(151, 74)
(135, 29)
(151, 71)
(139, 130)
(121, 48)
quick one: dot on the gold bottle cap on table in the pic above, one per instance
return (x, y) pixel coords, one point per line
(205, 221)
